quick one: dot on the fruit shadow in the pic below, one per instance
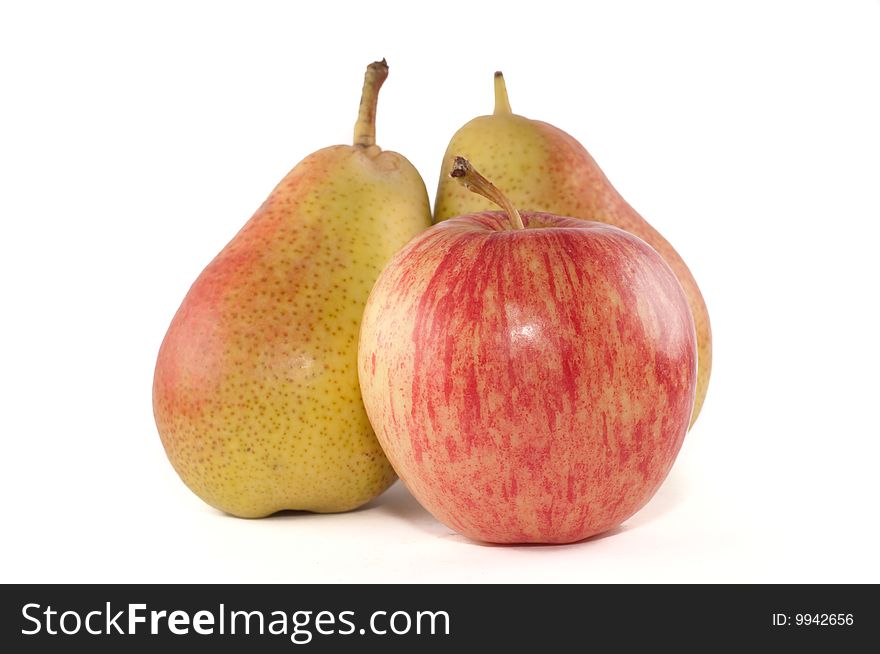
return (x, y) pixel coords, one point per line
(396, 501)
(291, 514)
(399, 503)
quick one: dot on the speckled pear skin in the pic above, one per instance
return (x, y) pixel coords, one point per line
(541, 168)
(255, 391)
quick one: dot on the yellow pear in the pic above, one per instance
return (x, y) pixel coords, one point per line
(255, 392)
(542, 168)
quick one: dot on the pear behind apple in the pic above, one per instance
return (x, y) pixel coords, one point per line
(542, 168)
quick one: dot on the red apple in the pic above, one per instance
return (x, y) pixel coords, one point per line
(530, 385)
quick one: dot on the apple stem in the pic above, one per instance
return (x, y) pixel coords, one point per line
(472, 180)
(502, 103)
(365, 127)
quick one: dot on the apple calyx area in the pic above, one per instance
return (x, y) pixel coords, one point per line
(365, 127)
(472, 180)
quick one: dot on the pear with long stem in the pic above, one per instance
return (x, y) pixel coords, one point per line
(255, 392)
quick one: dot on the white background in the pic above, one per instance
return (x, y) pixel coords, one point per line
(136, 140)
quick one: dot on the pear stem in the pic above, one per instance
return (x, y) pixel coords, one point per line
(472, 180)
(502, 102)
(365, 127)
